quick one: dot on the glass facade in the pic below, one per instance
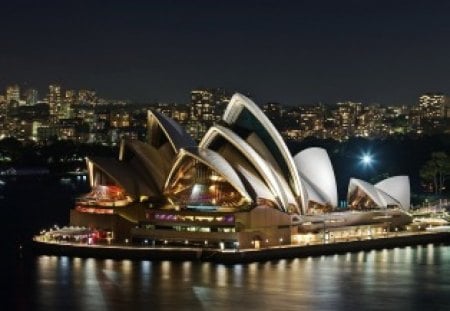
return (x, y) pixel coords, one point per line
(196, 185)
(359, 200)
(318, 209)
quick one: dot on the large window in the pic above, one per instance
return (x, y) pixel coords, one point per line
(359, 200)
(101, 195)
(197, 185)
(315, 208)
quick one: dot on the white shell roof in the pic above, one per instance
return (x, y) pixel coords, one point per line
(174, 132)
(274, 181)
(315, 167)
(237, 103)
(397, 187)
(312, 194)
(368, 188)
(156, 165)
(384, 198)
(257, 185)
(135, 183)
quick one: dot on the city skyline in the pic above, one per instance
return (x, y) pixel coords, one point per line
(289, 52)
(41, 95)
(83, 116)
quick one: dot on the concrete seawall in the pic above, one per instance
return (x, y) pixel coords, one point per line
(238, 256)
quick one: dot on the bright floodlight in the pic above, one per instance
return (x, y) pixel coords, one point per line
(366, 159)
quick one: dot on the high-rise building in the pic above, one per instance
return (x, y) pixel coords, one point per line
(311, 121)
(432, 105)
(12, 93)
(206, 106)
(54, 101)
(31, 97)
(370, 122)
(70, 97)
(12, 100)
(346, 117)
(69, 101)
(202, 106)
(180, 113)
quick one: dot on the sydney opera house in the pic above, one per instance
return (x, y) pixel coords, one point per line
(239, 185)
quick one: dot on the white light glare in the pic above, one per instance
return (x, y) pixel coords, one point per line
(366, 159)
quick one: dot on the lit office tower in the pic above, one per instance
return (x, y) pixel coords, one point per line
(206, 107)
(70, 96)
(70, 99)
(31, 97)
(202, 105)
(200, 113)
(12, 93)
(432, 105)
(312, 120)
(54, 101)
(346, 116)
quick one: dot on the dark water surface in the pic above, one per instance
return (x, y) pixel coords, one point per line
(400, 279)
(411, 278)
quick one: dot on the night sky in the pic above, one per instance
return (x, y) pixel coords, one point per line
(293, 52)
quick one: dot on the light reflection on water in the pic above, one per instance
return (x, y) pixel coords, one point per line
(411, 278)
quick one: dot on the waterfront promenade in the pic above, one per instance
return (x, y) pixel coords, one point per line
(231, 256)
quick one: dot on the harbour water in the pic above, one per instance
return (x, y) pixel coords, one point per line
(410, 278)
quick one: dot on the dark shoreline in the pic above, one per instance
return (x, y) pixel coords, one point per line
(235, 257)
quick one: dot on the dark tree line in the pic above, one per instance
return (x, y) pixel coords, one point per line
(436, 172)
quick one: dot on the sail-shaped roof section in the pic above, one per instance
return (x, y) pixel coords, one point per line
(247, 120)
(135, 182)
(393, 191)
(257, 185)
(219, 137)
(397, 187)
(368, 189)
(162, 129)
(155, 158)
(147, 159)
(314, 167)
(312, 194)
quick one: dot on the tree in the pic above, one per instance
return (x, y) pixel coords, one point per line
(428, 173)
(436, 170)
